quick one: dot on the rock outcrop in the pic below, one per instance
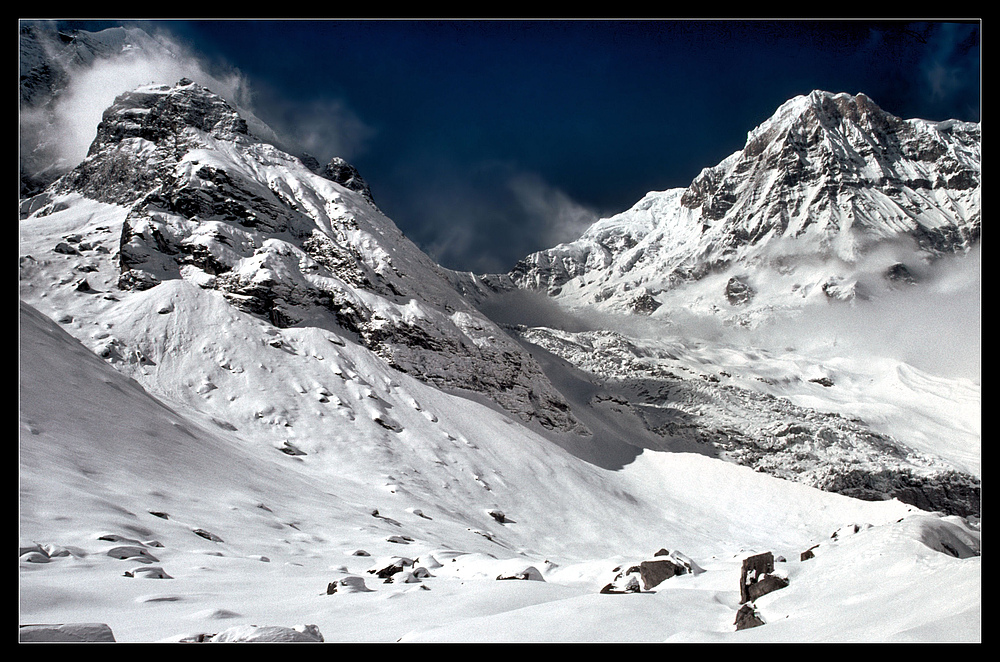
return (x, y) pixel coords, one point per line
(757, 577)
(747, 617)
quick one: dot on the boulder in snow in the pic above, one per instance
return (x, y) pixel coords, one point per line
(757, 577)
(66, 632)
(499, 516)
(627, 583)
(658, 570)
(34, 557)
(351, 584)
(530, 573)
(748, 617)
(149, 572)
(207, 535)
(388, 570)
(132, 552)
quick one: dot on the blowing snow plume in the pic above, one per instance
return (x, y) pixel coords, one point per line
(68, 79)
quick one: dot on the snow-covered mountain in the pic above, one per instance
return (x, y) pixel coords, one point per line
(247, 400)
(825, 199)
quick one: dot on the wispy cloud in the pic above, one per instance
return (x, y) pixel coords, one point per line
(488, 216)
(951, 61)
(59, 135)
(323, 127)
(559, 218)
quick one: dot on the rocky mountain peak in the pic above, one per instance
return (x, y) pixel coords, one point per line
(144, 135)
(162, 112)
(827, 162)
(827, 177)
(827, 110)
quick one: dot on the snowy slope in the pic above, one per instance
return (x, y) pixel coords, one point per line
(99, 456)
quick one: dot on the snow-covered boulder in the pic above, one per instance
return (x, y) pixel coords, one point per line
(531, 573)
(66, 633)
(268, 634)
(350, 584)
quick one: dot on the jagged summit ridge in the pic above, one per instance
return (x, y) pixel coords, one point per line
(210, 203)
(827, 176)
(160, 112)
(867, 167)
(143, 136)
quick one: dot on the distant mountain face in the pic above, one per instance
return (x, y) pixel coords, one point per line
(831, 202)
(209, 202)
(47, 55)
(828, 178)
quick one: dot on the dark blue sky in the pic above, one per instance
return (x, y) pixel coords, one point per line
(487, 140)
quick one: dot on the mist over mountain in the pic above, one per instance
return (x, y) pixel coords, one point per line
(252, 409)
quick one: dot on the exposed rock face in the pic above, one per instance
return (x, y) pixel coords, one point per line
(340, 171)
(211, 203)
(951, 492)
(144, 136)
